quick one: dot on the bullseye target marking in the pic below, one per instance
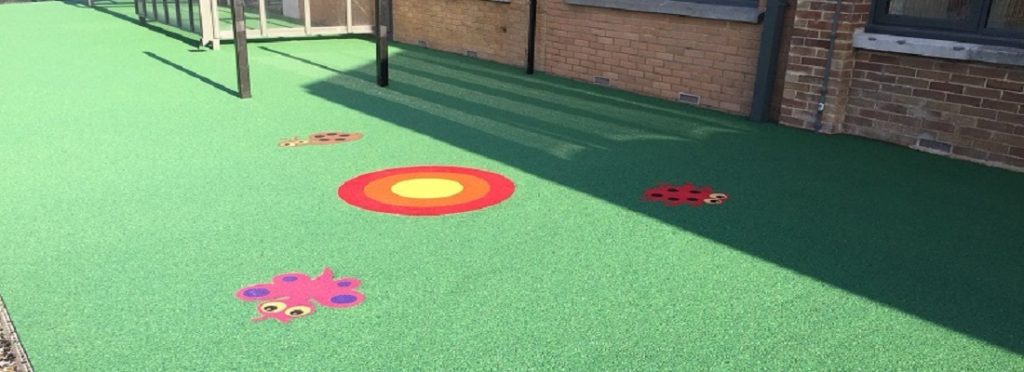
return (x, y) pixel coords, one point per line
(426, 190)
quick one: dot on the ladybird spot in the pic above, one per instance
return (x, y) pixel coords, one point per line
(695, 191)
(657, 195)
(691, 199)
(290, 278)
(673, 190)
(673, 199)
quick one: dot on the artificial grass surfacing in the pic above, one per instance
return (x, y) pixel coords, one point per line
(138, 194)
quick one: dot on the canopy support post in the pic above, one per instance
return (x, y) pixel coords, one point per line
(241, 49)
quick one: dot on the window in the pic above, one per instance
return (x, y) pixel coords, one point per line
(997, 22)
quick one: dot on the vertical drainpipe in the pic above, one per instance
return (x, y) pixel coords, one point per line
(823, 98)
(768, 60)
(381, 32)
(531, 39)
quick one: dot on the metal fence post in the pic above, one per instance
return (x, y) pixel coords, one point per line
(241, 49)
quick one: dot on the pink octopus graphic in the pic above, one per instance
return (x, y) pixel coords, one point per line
(291, 295)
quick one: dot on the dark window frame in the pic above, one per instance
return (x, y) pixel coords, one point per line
(746, 11)
(739, 3)
(973, 29)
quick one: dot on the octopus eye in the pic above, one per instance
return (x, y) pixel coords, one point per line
(713, 201)
(718, 195)
(272, 307)
(298, 311)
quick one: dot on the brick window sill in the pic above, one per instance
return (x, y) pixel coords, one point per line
(939, 48)
(684, 8)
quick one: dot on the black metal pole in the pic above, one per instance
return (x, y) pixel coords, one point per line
(167, 13)
(531, 39)
(177, 12)
(391, 22)
(191, 19)
(382, 22)
(140, 10)
(156, 15)
(241, 49)
(768, 60)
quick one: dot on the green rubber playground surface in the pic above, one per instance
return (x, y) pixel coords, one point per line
(138, 194)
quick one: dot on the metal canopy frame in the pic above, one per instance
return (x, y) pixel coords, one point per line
(212, 34)
(382, 18)
(212, 15)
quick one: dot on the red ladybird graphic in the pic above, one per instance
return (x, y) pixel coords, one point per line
(684, 194)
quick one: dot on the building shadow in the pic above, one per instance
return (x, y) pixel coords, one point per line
(938, 239)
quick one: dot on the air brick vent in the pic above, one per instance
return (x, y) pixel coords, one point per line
(692, 99)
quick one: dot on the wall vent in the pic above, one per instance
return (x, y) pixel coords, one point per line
(933, 146)
(602, 81)
(421, 43)
(692, 99)
(471, 53)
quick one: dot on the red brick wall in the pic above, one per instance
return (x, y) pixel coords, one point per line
(807, 60)
(653, 54)
(784, 45)
(966, 110)
(971, 110)
(495, 30)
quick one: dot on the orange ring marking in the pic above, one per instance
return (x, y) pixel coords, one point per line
(473, 188)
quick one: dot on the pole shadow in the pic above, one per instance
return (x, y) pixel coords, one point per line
(193, 74)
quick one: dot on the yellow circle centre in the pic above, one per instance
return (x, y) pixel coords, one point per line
(426, 188)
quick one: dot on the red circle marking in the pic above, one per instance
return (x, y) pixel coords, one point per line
(353, 191)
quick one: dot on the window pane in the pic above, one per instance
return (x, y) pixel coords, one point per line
(1007, 14)
(284, 14)
(941, 9)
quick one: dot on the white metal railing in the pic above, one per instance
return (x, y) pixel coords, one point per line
(295, 18)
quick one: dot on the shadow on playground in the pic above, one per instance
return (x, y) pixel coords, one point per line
(935, 238)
